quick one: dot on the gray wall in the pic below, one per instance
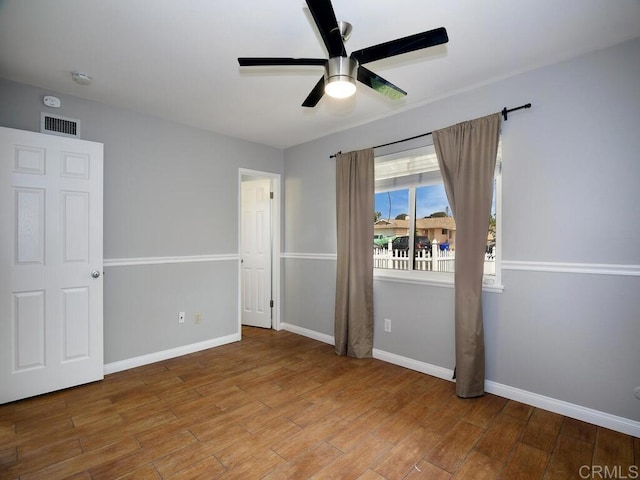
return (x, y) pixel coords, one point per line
(169, 190)
(570, 196)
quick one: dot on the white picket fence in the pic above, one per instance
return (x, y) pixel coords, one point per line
(435, 260)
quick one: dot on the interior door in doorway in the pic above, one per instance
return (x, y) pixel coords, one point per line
(256, 252)
(50, 263)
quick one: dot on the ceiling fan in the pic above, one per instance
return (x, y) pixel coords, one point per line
(341, 71)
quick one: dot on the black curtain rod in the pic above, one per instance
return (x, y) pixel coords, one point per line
(504, 112)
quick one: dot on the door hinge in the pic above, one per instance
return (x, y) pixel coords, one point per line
(271, 195)
(271, 303)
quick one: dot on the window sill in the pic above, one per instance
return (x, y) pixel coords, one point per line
(443, 280)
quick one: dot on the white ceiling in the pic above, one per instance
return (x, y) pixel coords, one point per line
(177, 59)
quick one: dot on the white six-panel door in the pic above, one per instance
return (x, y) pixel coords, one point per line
(256, 253)
(50, 263)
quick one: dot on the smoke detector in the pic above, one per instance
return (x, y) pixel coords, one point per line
(81, 78)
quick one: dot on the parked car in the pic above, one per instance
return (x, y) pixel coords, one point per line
(402, 243)
(381, 241)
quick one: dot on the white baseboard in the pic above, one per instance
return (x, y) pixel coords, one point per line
(589, 415)
(410, 363)
(167, 354)
(321, 337)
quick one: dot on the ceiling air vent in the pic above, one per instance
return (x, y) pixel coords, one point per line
(57, 125)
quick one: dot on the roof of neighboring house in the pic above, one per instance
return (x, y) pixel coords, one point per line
(436, 222)
(422, 223)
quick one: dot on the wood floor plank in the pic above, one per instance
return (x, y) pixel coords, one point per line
(484, 409)
(204, 470)
(395, 428)
(371, 475)
(437, 396)
(614, 449)
(265, 418)
(578, 429)
(8, 435)
(184, 458)
(354, 463)
(427, 471)
(501, 436)
(146, 472)
(308, 412)
(569, 455)
(525, 463)
(309, 436)
(444, 418)
(450, 453)
(542, 430)
(197, 409)
(306, 464)
(83, 462)
(239, 452)
(518, 410)
(8, 456)
(221, 431)
(86, 412)
(399, 461)
(478, 467)
(40, 456)
(106, 436)
(152, 448)
(261, 463)
(356, 431)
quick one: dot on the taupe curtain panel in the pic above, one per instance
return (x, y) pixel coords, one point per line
(467, 156)
(354, 277)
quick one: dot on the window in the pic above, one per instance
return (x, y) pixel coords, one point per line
(414, 229)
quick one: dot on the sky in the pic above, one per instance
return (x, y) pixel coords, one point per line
(428, 200)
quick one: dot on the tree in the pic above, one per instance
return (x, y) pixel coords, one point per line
(492, 226)
(402, 216)
(437, 215)
(377, 216)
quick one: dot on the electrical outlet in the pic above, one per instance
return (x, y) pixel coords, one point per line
(181, 316)
(197, 318)
(387, 325)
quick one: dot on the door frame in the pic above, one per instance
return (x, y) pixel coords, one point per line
(275, 179)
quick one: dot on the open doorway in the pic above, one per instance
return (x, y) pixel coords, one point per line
(259, 247)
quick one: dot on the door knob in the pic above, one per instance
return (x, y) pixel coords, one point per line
(95, 273)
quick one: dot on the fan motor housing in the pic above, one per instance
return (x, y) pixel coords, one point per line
(342, 67)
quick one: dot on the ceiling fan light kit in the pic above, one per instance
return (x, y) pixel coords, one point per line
(340, 78)
(341, 71)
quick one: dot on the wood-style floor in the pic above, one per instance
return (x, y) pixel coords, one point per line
(282, 406)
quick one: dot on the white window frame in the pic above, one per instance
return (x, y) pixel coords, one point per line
(491, 283)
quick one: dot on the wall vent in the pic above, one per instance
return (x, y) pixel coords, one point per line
(57, 125)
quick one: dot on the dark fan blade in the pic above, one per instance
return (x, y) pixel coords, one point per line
(379, 84)
(315, 95)
(401, 45)
(262, 62)
(327, 24)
